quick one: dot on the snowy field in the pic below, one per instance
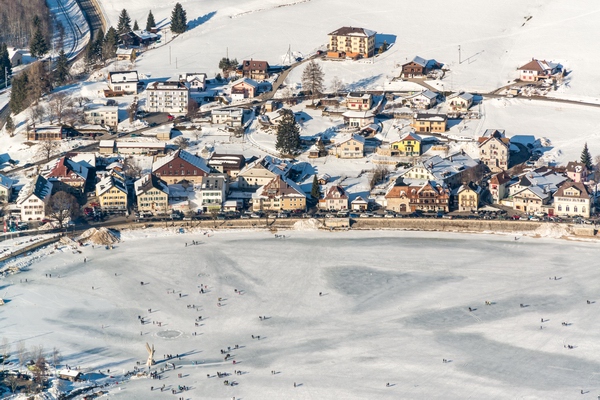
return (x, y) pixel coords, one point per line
(495, 37)
(394, 305)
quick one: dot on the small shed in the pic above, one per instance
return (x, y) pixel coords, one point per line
(69, 375)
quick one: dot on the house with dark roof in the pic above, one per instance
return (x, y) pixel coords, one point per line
(111, 193)
(180, 166)
(351, 42)
(494, 149)
(33, 198)
(230, 164)
(335, 199)
(573, 199)
(68, 175)
(536, 70)
(152, 194)
(255, 69)
(418, 67)
(429, 122)
(577, 171)
(497, 185)
(467, 197)
(280, 194)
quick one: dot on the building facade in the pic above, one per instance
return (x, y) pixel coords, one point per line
(352, 42)
(429, 122)
(152, 194)
(180, 166)
(101, 115)
(170, 97)
(573, 199)
(335, 199)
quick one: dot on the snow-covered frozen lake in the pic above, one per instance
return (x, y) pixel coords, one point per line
(394, 305)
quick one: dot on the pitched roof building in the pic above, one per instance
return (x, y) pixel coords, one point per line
(180, 166)
(573, 199)
(33, 198)
(279, 194)
(351, 42)
(335, 199)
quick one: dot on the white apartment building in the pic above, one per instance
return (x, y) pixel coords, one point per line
(169, 96)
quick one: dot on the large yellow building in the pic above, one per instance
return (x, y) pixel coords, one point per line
(112, 193)
(408, 145)
(152, 194)
(351, 42)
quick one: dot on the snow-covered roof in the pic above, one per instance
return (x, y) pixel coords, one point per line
(6, 182)
(191, 76)
(358, 114)
(411, 136)
(353, 31)
(144, 35)
(140, 145)
(64, 166)
(148, 182)
(101, 107)
(541, 192)
(430, 117)
(466, 96)
(428, 94)
(420, 60)
(123, 76)
(540, 66)
(285, 188)
(124, 52)
(167, 85)
(443, 168)
(340, 139)
(107, 144)
(71, 373)
(194, 160)
(108, 182)
(39, 187)
(357, 96)
(231, 112)
(248, 81)
(359, 200)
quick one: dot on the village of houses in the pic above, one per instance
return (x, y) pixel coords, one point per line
(378, 154)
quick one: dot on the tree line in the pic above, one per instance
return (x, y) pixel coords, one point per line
(17, 26)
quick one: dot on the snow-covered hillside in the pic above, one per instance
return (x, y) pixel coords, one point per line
(495, 37)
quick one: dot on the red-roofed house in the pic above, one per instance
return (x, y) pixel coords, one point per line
(68, 175)
(335, 199)
(535, 70)
(254, 69)
(180, 166)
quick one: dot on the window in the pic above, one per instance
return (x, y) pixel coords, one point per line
(575, 209)
(567, 208)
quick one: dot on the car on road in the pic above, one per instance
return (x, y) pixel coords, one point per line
(170, 117)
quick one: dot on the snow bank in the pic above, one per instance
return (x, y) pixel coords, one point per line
(308, 225)
(101, 236)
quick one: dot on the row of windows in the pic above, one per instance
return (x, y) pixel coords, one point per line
(568, 208)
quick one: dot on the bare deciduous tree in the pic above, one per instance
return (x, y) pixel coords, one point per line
(379, 173)
(21, 353)
(13, 382)
(192, 108)
(48, 147)
(58, 103)
(336, 85)
(61, 207)
(182, 142)
(5, 351)
(56, 356)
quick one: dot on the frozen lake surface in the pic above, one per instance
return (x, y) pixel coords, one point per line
(393, 306)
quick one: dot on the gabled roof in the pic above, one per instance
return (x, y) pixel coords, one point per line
(500, 178)
(541, 193)
(361, 96)
(6, 182)
(194, 160)
(124, 52)
(423, 62)
(336, 192)
(344, 138)
(39, 187)
(65, 167)
(358, 114)
(352, 31)
(284, 188)
(427, 94)
(108, 182)
(576, 166)
(123, 76)
(248, 81)
(148, 182)
(463, 95)
(443, 168)
(410, 136)
(539, 66)
(584, 192)
(493, 134)
(469, 186)
(248, 65)
(359, 200)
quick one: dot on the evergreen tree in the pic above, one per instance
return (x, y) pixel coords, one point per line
(316, 191)
(10, 125)
(136, 27)
(38, 45)
(97, 46)
(18, 94)
(227, 65)
(312, 79)
(109, 48)
(124, 24)
(288, 134)
(586, 157)
(89, 53)
(4, 62)
(61, 73)
(150, 21)
(178, 19)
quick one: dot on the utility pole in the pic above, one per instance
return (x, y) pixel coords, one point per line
(459, 58)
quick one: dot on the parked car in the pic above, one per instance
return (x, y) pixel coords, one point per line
(390, 215)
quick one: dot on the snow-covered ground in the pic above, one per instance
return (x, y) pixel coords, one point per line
(77, 31)
(495, 38)
(382, 318)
